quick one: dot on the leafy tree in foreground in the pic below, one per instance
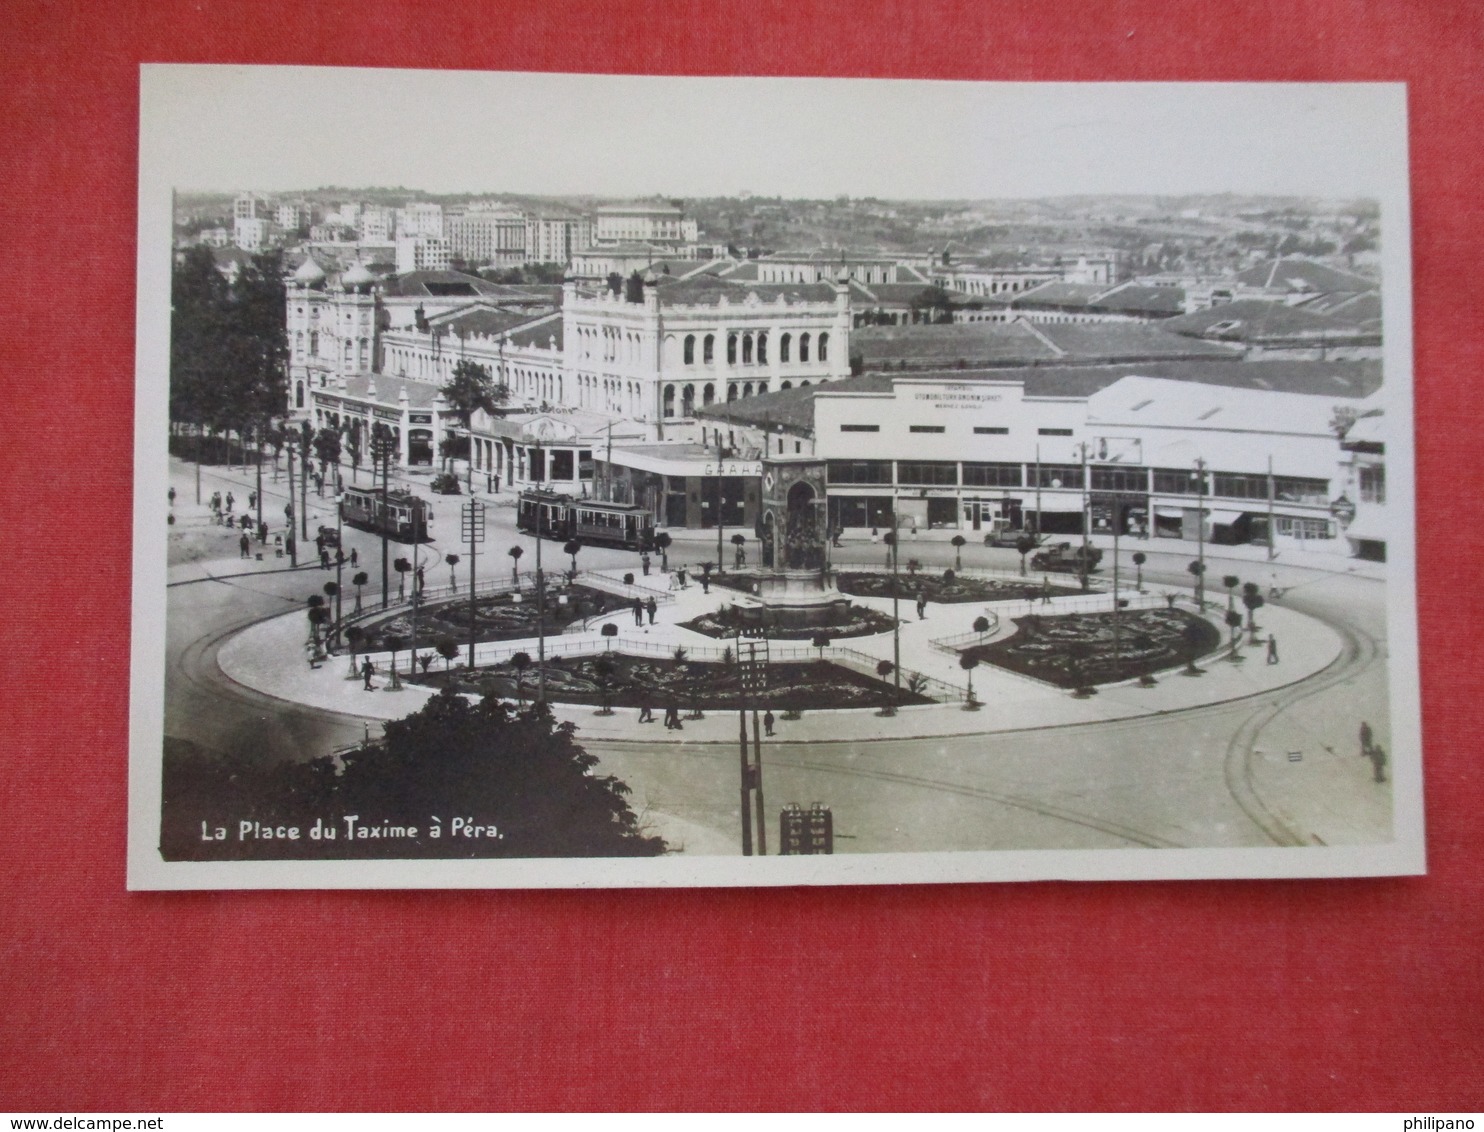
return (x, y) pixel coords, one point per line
(519, 779)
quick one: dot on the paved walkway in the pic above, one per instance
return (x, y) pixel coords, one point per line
(271, 658)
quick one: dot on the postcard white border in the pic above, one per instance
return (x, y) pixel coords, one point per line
(1405, 855)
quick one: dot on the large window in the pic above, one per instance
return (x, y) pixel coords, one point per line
(561, 464)
(925, 428)
(1230, 485)
(992, 475)
(930, 473)
(1174, 481)
(1120, 479)
(860, 511)
(1053, 432)
(848, 427)
(708, 349)
(858, 471)
(1299, 490)
(1373, 485)
(690, 349)
(1296, 527)
(1057, 475)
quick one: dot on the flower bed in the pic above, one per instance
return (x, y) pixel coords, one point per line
(726, 622)
(498, 617)
(941, 588)
(661, 683)
(1077, 650)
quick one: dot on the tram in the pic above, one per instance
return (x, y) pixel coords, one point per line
(588, 520)
(404, 516)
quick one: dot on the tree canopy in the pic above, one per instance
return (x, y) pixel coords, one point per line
(228, 343)
(461, 768)
(471, 389)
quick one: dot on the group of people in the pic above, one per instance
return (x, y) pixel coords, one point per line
(672, 717)
(643, 606)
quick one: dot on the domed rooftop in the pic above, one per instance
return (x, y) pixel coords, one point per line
(357, 275)
(309, 272)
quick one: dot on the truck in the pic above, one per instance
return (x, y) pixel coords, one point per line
(1062, 558)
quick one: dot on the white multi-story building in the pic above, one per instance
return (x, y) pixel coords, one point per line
(248, 206)
(420, 218)
(487, 236)
(376, 224)
(252, 233)
(825, 266)
(651, 223)
(421, 253)
(556, 239)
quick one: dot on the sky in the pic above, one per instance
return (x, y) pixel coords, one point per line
(277, 129)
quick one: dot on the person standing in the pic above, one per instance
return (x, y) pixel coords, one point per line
(355, 558)
(367, 669)
(172, 497)
(324, 558)
(644, 562)
(1366, 736)
(681, 575)
(650, 607)
(1046, 590)
(638, 611)
(1272, 649)
(646, 713)
(768, 722)
(252, 500)
(1378, 762)
(231, 500)
(921, 608)
(418, 574)
(244, 544)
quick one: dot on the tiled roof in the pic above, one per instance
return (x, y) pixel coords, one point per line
(539, 332)
(704, 290)
(1293, 273)
(1257, 320)
(1142, 299)
(484, 321)
(1362, 311)
(1127, 341)
(1060, 294)
(440, 284)
(794, 408)
(743, 272)
(977, 343)
(420, 394)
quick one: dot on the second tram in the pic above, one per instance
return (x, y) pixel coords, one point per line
(592, 521)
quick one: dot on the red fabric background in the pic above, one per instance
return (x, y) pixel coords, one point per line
(1339, 994)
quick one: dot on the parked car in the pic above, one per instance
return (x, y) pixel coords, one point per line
(330, 536)
(1062, 558)
(446, 483)
(1006, 536)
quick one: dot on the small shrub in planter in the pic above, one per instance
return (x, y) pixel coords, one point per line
(628, 579)
(948, 575)
(1084, 692)
(1147, 681)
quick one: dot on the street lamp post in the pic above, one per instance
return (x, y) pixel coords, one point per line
(381, 452)
(1200, 533)
(293, 542)
(896, 621)
(339, 559)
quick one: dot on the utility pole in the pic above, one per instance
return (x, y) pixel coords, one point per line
(304, 438)
(720, 558)
(540, 598)
(381, 452)
(752, 668)
(1086, 520)
(1200, 533)
(1272, 522)
(472, 514)
(259, 461)
(1117, 522)
(293, 542)
(896, 620)
(1038, 497)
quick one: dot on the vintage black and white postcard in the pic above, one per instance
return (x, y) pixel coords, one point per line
(581, 480)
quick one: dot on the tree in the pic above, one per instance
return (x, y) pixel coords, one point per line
(609, 631)
(603, 672)
(327, 449)
(1252, 599)
(394, 642)
(448, 649)
(662, 543)
(521, 781)
(913, 565)
(353, 446)
(520, 662)
(1139, 559)
(981, 625)
(821, 641)
(515, 552)
(1193, 636)
(1197, 570)
(360, 579)
(1230, 581)
(1234, 623)
(932, 304)
(958, 542)
(884, 669)
(968, 662)
(570, 548)
(453, 579)
(469, 390)
(1023, 546)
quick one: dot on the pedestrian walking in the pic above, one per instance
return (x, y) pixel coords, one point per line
(672, 717)
(418, 574)
(768, 722)
(252, 500)
(244, 544)
(1378, 762)
(367, 670)
(681, 575)
(1366, 736)
(355, 558)
(172, 497)
(644, 562)
(921, 608)
(705, 583)
(263, 534)
(231, 500)
(246, 521)
(319, 542)
(650, 607)
(646, 713)
(1272, 649)
(638, 611)
(324, 558)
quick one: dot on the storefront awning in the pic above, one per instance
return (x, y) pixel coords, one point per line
(1367, 528)
(1223, 516)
